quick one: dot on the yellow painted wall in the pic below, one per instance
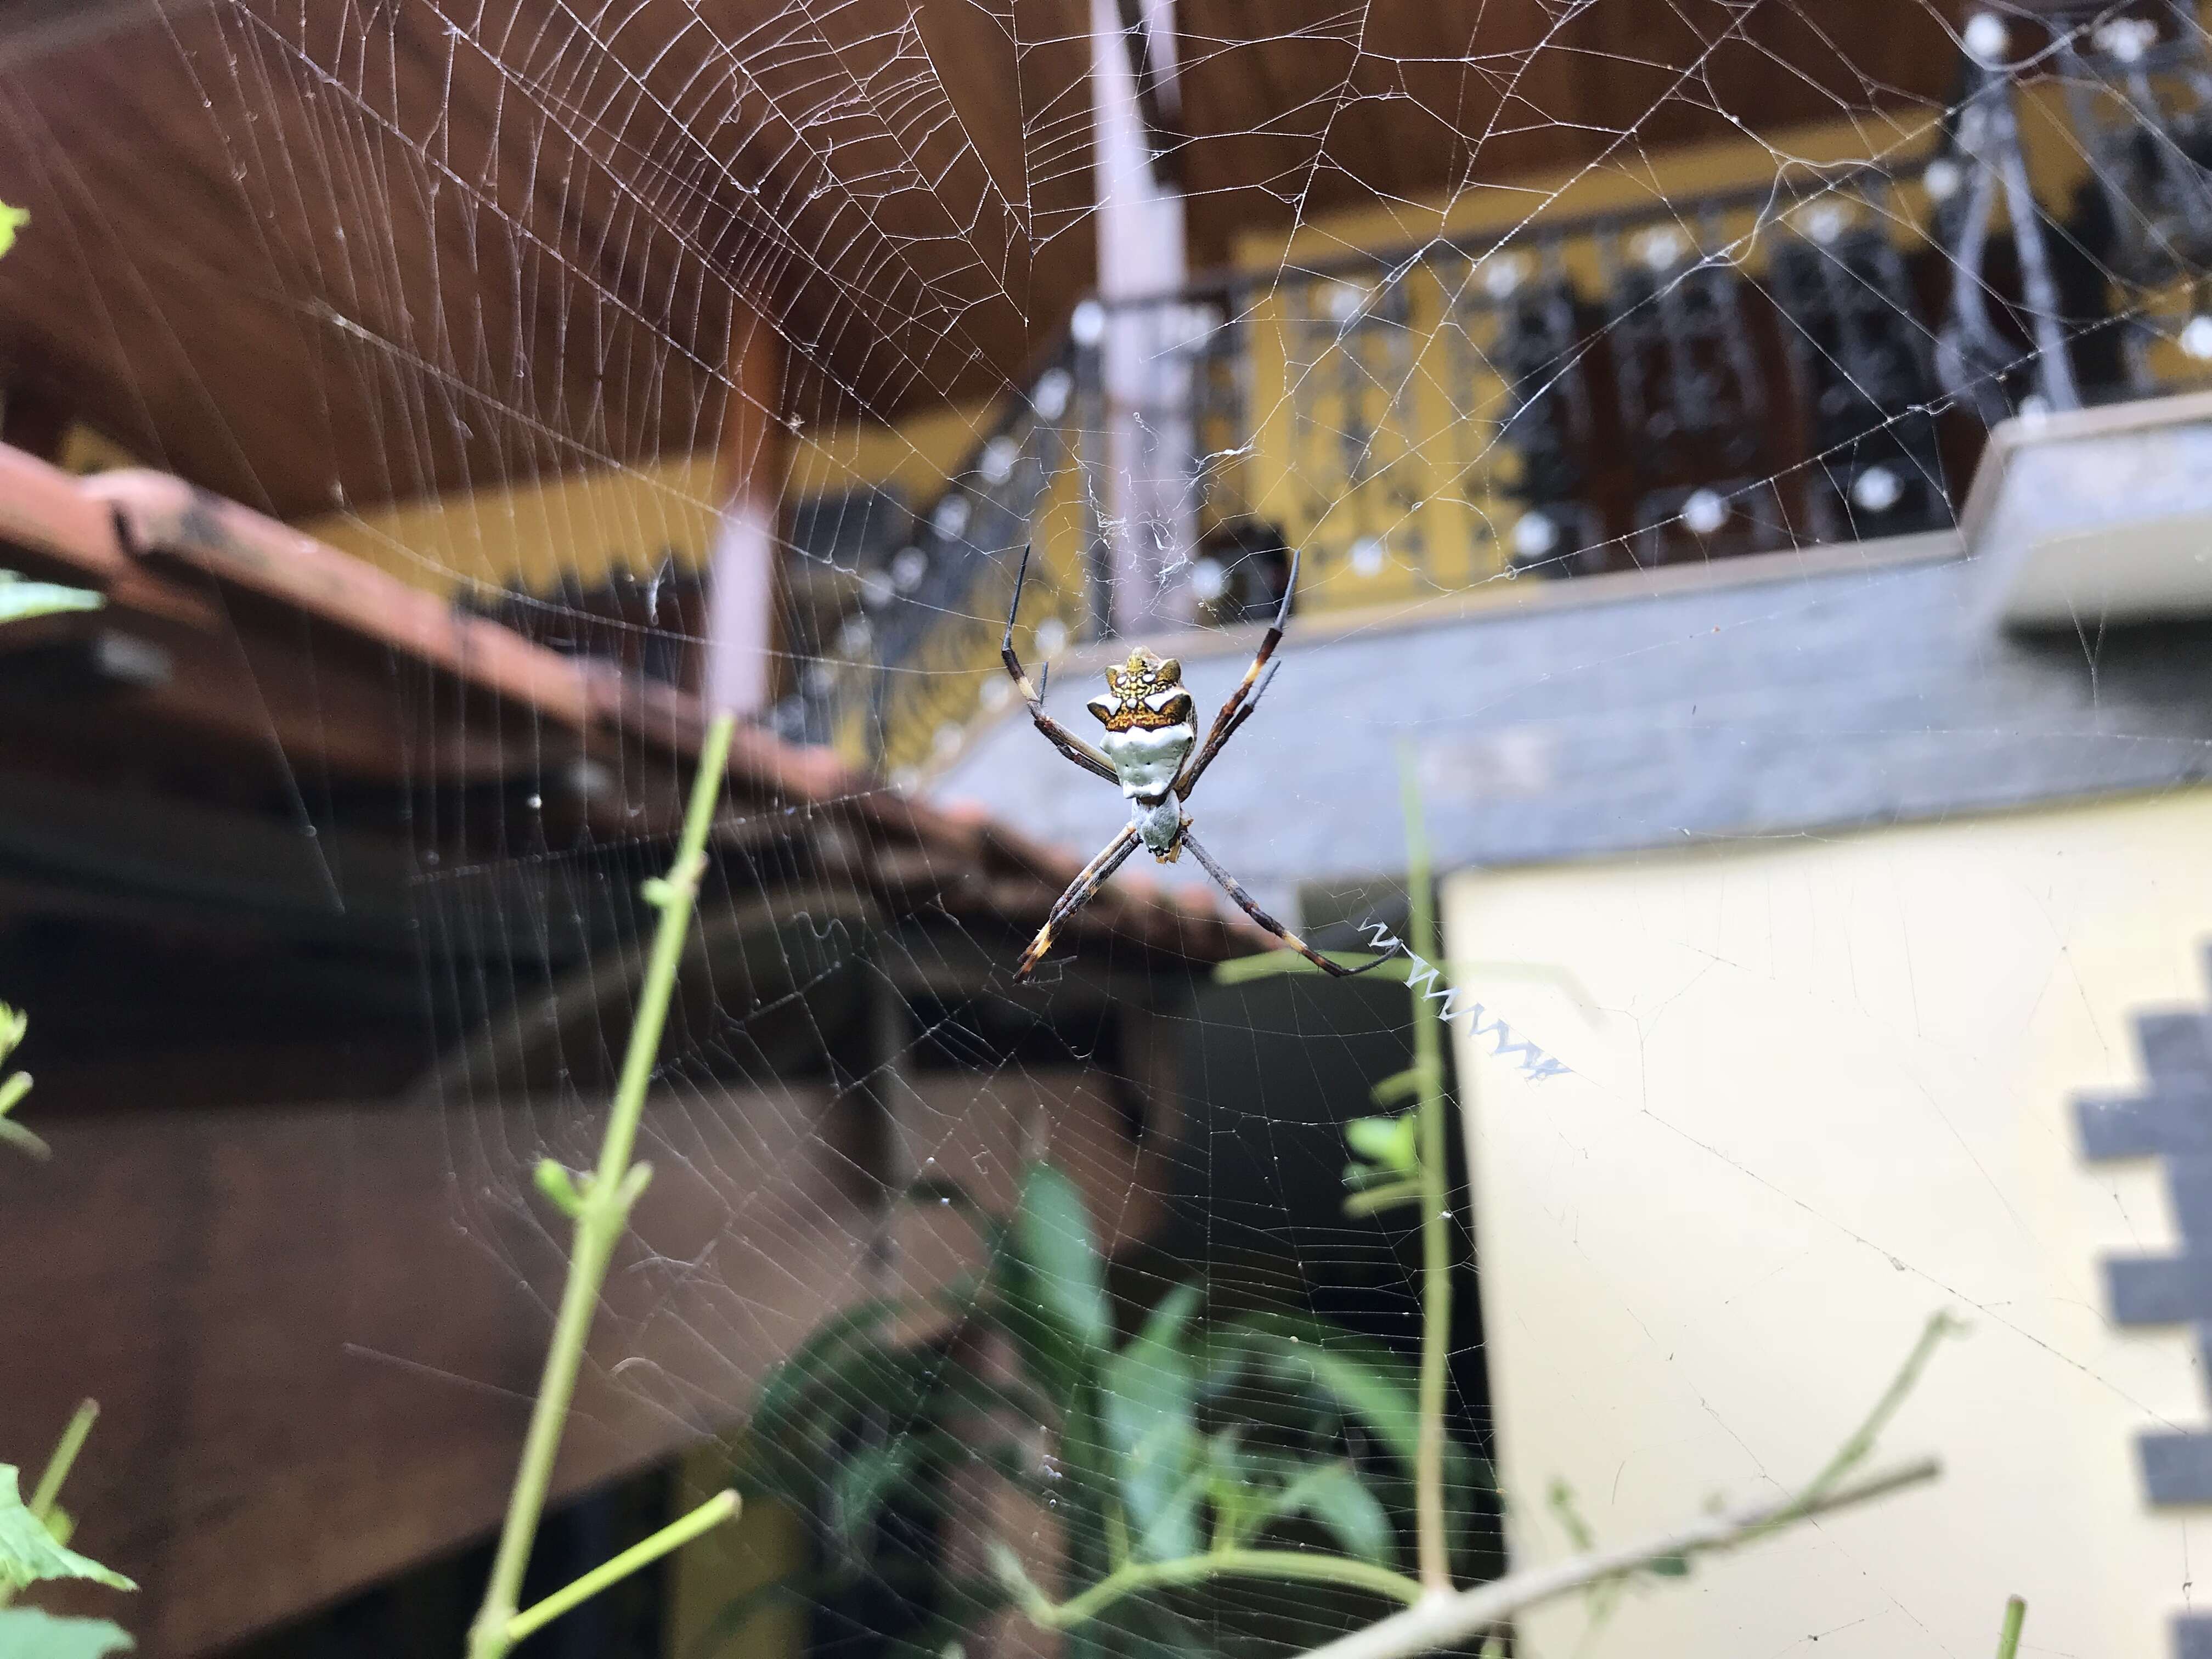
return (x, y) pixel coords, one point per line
(1824, 1088)
(592, 522)
(765, 1545)
(588, 522)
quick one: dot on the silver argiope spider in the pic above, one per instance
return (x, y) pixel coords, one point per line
(1151, 750)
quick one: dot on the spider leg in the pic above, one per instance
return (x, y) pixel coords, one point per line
(1080, 891)
(1245, 698)
(1231, 886)
(1219, 739)
(1090, 759)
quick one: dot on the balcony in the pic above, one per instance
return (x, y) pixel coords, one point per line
(1781, 349)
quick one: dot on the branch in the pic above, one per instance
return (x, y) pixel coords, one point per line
(1441, 1621)
(673, 1536)
(1308, 1566)
(600, 1208)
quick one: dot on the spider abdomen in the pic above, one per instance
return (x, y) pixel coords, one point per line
(1159, 826)
(1147, 758)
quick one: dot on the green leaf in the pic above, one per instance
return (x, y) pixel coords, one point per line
(29, 1552)
(28, 1633)
(12, 219)
(1151, 1409)
(1334, 1495)
(1363, 1379)
(833, 1369)
(864, 1480)
(1388, 1142)
(20, 599)
(1052, 1232)
(1048, 1292)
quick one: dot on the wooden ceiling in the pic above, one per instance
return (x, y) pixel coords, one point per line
(1298, 107)
(314, 254)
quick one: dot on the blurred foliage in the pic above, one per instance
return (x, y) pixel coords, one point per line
(30, 1551)
(14, 1087)
(1196, 1434)
(28, 1633)
(21, 599)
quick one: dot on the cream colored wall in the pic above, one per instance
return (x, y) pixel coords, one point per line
(1824, 1088)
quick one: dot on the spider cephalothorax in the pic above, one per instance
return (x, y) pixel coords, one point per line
(1151, 749)
(1142, 693)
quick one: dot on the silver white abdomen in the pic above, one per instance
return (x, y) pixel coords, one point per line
(1146, 759)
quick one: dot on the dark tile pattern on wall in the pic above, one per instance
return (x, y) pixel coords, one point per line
(2170, 1118)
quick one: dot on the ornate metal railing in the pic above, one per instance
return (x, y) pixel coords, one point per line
(1810, 359)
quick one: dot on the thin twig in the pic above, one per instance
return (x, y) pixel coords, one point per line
(1308, 1566)
(1444, 1621)
(49, 1489)
(673, 1536)
(2008, 1638)
(602, 1209)
(1860, 1446)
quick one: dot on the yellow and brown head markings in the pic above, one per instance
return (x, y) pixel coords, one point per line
(1146, 691)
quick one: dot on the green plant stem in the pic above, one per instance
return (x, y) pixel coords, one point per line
(1855, 1451)
(1309, 1567)
(604, 1210)
(2008, 1638)
(1436, 1218)
(674, 1536)
(49, 1489)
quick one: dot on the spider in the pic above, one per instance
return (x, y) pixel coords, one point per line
(1150, 748)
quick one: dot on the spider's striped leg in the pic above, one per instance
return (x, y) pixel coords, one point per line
(1079, 893)
(1218, 740)
(1231, 886)
(1058, 735)
(1245, 698)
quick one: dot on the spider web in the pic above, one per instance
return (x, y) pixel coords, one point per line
(1508, 293)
